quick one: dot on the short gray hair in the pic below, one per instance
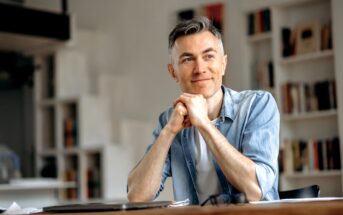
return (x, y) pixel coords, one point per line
(193, 26)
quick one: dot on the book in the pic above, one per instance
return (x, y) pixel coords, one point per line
(315, 155)
(215, 13)
(326, 37)
(336, 153)
(271, 74)
(297, 164)
(259, 21)
(71, 176)
(322, 92)
(251, 24)
(320, 154)
(266, 19)
(286, 42)
(288, 158)
(68, 132)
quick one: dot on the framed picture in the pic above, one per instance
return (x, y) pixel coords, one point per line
(307, 38)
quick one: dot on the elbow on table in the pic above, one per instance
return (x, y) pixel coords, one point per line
(134, 196)
(254, 193)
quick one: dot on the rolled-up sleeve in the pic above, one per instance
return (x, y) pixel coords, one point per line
(261, 140)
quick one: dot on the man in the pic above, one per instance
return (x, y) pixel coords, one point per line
(213, 140)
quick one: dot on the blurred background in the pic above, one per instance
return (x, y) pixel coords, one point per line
(82, 84)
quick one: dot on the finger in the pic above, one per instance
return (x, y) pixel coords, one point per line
(189, 94)
(176, 101)
(181, 109)
(187, 120)
(182, 99)
(187, 124)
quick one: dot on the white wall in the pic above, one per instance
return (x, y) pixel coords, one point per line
(140, 31)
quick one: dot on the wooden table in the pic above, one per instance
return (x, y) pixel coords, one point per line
(304, 208)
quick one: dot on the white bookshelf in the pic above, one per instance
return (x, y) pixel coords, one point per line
(72, 126)
(308, 68)
(259, 54)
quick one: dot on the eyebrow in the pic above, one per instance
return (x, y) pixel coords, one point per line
(209, 50)
(187, 54)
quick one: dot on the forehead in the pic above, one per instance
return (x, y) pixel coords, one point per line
(196, 43)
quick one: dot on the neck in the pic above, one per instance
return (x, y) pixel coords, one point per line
(214, 104)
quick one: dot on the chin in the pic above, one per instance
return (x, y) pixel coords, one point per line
(205, 92)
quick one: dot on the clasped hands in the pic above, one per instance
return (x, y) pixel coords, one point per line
(189, 109)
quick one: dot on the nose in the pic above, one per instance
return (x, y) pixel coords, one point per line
(200, 66)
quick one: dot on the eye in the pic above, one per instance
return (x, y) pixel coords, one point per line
(209, 56)
(186, 59)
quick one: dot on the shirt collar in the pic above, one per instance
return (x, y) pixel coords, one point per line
(228, 107)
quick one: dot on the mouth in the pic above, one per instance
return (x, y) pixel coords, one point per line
(200, 80)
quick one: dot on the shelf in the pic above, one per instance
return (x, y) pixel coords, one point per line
(71, 151)
(327, 173)
(307, 57)
(310, 115)
(260, 37)
(47, 102)
(48, 152)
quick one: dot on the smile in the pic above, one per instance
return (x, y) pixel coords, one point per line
(201, 80)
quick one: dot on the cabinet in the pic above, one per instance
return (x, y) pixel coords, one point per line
(72, 126)
(302, 74)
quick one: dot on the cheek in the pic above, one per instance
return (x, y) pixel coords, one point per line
(218, 68)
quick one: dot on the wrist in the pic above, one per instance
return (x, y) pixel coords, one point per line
(205, 125)
(168, 132)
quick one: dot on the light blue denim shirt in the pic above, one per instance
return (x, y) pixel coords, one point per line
(250, 121)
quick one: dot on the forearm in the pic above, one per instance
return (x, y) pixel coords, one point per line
(237, 168)
(144, 180)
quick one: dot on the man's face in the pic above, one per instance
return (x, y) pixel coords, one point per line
(198, 63)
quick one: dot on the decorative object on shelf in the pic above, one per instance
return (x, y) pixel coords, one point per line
(49, 169)
(185, 14)
(307, 37)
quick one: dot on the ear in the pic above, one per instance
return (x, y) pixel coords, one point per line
(172, 72)
(224, 63)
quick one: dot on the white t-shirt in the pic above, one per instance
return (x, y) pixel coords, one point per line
(207, 178)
